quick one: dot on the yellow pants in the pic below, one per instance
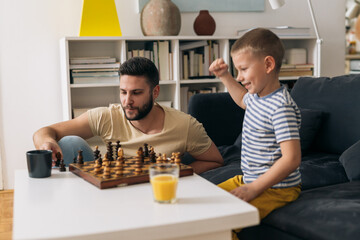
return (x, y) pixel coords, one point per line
(266, 202)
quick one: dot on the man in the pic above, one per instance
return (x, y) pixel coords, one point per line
(137, 120)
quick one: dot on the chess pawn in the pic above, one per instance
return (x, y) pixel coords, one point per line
(105, 161)
(177, 159)
(159, 159)
(164, 159)
(62, 166)
(106, 173)
(120, 154)
(152, 155)
(96, 152)
(80, 159)
(58, 159)
(118, 167)
(172, 159)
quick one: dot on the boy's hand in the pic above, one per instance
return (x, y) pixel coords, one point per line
(246, 192)
(219, 67)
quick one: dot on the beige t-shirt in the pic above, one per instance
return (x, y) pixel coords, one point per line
(181, 132)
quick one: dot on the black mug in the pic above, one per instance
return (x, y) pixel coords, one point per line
(39, 163)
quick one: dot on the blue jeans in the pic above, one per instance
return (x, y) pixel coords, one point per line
(70, 145)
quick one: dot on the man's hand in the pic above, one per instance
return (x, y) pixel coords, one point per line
(53, 146)
(219, 68)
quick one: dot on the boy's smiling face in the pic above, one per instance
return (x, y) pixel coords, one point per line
(255, 72)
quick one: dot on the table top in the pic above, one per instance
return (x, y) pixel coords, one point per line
(64, 206)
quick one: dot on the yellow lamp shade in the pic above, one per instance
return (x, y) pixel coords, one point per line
(99, 18)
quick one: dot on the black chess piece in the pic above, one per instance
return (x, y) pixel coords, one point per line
(58, 158)
(146, 150)
(96, 153)
(109, 152)
(62, 166)
(80, 159)
(118, 145)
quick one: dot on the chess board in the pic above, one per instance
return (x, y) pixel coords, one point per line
(128, 177)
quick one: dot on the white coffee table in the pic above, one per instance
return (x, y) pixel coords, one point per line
(65, 206)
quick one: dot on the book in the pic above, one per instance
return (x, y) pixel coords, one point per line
(164, 60)
(282, 31)
(95, 65)
(192, 45)
(296, 73)
(156, 54)
(87, 60)
(95, 70)
(186, 66)
(85, 80)
(96, 74)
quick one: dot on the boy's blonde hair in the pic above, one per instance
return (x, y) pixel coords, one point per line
(261, 42)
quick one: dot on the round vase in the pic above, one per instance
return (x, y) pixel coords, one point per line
(204, 23)
(160, 18)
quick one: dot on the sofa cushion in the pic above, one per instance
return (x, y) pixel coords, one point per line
(331, 212)
(321, 169)
(338, 98)
(221, 117)
(350, 159)
(310, 123)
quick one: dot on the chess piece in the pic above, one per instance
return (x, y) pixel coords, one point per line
(62, 166)
(164, 159)
(100, 159)
(106, 173)
(146, 150)
(159, 159)
(96, 152)
(138, 164)
(172, 159)
(74, 160)
(97, 166)
(58, 159)
(120, 154)
(118, 146)
(177, 159)
(80, 159)
(109, 151)
(152, 155)
(106, 161)
(140, 153)
(118, 166)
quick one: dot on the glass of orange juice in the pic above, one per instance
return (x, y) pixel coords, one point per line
(164, 179)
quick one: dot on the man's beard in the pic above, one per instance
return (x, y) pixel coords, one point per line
(142, 111)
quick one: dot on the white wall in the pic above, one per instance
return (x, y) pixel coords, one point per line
(30, 31)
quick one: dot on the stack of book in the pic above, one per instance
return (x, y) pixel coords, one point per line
(94, 70)
(159, 53)
(197, 56)
(186, 93)
(296, 70)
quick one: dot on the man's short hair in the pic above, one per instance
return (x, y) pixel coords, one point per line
(140, 66)
(261, 42)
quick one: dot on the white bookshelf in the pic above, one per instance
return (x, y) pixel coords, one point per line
(98, 94)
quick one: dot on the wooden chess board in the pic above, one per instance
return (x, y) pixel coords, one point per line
(86, 171)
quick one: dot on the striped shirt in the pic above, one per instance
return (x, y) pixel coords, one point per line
(268, 121)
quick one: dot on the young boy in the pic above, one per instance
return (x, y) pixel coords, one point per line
(271, 154)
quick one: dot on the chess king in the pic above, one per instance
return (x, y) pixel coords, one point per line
(138, 119)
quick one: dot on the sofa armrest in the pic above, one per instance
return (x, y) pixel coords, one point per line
(220, 116)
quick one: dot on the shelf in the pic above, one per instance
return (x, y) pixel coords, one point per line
(194, 81)
(101, 94)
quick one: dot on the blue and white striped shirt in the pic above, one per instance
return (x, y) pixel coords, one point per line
(268, 121)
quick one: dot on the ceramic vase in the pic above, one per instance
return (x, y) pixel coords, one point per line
(204, 23)
(160, 18)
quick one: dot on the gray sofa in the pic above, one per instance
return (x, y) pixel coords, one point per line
(329, 204)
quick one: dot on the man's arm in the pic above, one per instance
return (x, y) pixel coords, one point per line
(46, 138)
(290, 160)
(210, 159)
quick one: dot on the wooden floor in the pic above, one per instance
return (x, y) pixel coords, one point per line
(6, 214)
